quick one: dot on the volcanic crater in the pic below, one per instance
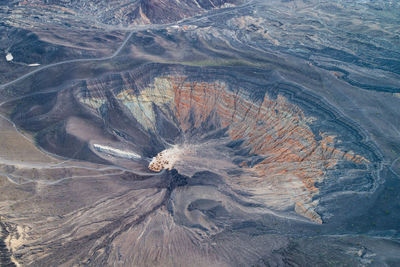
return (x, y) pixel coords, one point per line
(266, 140)
(199, 133)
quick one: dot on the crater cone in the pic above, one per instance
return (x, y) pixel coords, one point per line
(264, 148)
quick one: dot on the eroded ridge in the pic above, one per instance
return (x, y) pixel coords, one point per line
(284, 158)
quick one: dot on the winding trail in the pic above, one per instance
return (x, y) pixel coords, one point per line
(131, 31)
(69, 61)
(14, 178)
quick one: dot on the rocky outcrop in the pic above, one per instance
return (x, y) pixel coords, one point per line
(166, 159)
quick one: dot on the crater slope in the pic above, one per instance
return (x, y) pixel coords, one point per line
(270, 150)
